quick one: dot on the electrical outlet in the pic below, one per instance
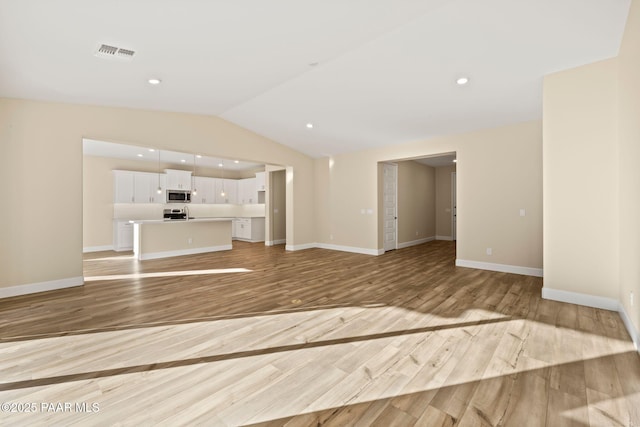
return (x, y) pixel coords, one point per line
(190, 240)
(416, 233)
(489, 251)
(330, 236)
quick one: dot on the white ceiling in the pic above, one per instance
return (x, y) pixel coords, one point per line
(92, 147)
(386, 68)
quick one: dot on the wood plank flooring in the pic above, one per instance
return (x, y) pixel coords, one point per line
(263, 337)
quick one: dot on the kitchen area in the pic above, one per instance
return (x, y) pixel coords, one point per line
(162, 204)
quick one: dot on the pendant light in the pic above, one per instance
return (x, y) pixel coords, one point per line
(159, 187)
(222, 193)
(193, 177)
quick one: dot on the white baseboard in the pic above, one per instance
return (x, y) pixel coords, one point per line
(580, 299)
(97, 248)
(33, 288)
(595, 302)
(167, 254)
(351, 249)
(300, 247)
(635, 334)
(275, 242)
(416, 242)
(450, 238)
(503, 268)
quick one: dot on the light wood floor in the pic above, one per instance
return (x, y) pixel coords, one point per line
(259, 336)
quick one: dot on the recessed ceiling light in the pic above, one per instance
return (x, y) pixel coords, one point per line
(198, 156)
(139, 155)
(154, 81)
(309, 125)
(221, 164)
(236, 161)
(183, 160)
(151, 150)
(462, 81)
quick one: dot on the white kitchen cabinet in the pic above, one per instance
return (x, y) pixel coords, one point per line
(122, 235)
(137, 187)
(123, 189)
(206, 190)
(247, 193)
(230, 187)
(249, 229)
(146, 187)
(261, 181)
(178, 180)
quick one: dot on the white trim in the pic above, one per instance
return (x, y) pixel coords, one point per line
(352, 249)
(300, 247)
(180, 252)
(50, 285)
(97, 248)
(633, 332)
(275, 242)
(416, 242)
(449, 238)
(580, 299)
(503, 268)
(603, 303)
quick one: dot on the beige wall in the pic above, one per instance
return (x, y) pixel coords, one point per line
(155, 238)
(443, 201)
(41, 148)
(592, 178)
(580, 180)
(499, 172)
(629, 169)
(416, 201)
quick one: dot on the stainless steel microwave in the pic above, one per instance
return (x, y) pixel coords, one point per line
(178, 196)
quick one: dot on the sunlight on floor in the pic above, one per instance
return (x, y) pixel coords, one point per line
(166, 274)
(266, 367)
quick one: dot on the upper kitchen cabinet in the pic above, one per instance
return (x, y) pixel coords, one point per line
(146, 187)
(230, 189)
(206, 190)
(260, 181)
(137, 187)
(178, 180)
(123, 189)
(247, 193)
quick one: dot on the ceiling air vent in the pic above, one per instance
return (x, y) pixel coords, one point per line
(106, 51)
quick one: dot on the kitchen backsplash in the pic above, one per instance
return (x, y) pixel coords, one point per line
(154, 211)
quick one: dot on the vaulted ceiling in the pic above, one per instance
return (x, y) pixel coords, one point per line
(364, 73)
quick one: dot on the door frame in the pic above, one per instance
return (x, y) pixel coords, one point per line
(454, 206)
(395, 242)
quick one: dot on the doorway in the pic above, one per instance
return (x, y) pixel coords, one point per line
(417, 201)
(276, 209)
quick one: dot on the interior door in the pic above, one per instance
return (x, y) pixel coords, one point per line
(390, 205)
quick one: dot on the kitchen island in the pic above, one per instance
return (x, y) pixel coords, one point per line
(154, 239)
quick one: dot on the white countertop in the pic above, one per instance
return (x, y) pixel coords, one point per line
(177, 221)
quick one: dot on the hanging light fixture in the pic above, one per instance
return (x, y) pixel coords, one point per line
(193, 177)
(159, 187)
(222, 193)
